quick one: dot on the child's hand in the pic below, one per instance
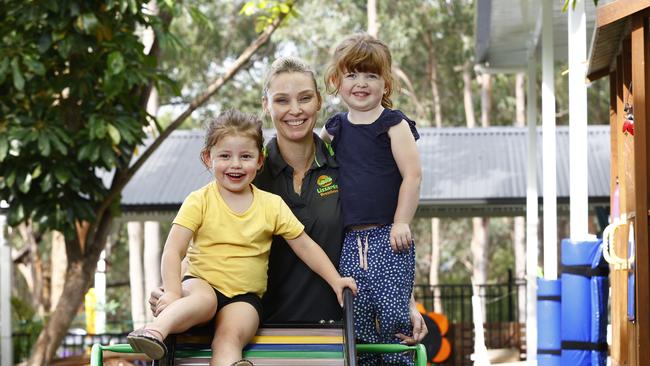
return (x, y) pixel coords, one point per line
(166, 299)
(342, 283)
(400, 237)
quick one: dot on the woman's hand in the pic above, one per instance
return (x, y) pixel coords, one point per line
(400, 237)
(419, 327)
(342, 283)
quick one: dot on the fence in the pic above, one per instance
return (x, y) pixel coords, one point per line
(501, 304)
(74, 343)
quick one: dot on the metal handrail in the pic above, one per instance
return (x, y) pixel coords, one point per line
(349, 348)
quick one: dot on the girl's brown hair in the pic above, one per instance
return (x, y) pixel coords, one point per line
(361, 52)
(232, 123)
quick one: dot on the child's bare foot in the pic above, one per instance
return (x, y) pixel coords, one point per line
(148, 341)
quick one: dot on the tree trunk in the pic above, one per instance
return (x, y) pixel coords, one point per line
(152, 256)
(136, 274)
(486, 99)
(59, 265)
(373, 25)
(79, 276)
(434, 270)
(419, 109)
(433, 81)
(470, 119)
(34, 266)
(479, 249)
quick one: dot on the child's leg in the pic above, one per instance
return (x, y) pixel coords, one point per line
(364, 311)
(197, 306)
(392, 282)
(236, 325)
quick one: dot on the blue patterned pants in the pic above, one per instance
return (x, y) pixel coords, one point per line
(385, 283)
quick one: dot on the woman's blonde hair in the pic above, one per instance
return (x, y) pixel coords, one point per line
(289, 64)
(232, 123)
(361, 52)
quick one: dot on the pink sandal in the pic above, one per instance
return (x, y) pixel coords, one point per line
(148, 341)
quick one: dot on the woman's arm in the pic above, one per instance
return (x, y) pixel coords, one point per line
(407, 158)
(314, 256)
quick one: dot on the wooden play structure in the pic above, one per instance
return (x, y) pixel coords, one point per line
(621, 51)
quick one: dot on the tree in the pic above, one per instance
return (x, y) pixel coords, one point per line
(75, 81)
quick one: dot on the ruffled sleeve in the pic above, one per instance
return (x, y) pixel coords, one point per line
(333, 125)
(391, 117)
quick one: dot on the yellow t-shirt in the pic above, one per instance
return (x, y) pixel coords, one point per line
(230, 250)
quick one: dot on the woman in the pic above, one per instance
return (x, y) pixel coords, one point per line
(301, 169)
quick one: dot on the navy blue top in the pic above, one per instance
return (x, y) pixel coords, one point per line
(368, 174)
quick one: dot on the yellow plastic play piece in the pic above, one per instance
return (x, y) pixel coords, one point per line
(297, 340)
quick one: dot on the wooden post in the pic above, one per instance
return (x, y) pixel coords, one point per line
(640, 82)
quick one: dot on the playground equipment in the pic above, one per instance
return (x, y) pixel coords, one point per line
(328, 344)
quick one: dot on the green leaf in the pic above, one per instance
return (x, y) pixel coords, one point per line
(84, 151)
(108, 156)
(4, 147)
(44, 144)
(24, 182)
(37, 171)
(62, 174)
(114, 133)
(44, 42)
(200, 18)
(58, 144)
(115, 63)
(46, 183)
(284, 8)
(86, 23)
(34, 66)
(112, 85)
(4, 65)
(133, 6)
(248, 9)
(19, 81)
(11, 178)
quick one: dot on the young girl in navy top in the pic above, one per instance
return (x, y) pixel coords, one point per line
(379, 176)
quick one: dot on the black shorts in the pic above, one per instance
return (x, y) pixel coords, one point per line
(223, 300)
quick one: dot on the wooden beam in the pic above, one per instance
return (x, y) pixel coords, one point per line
(617, 10)
(640, 82)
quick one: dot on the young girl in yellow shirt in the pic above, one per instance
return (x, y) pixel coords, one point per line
(226, 229)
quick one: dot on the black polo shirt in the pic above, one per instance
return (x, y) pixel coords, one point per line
(294, 292)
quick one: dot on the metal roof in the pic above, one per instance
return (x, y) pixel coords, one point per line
(466, 172)
(508, 31)
(612, 24)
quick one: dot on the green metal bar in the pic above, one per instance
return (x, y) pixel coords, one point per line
(96, 355)
(420, 351)
(97, 352)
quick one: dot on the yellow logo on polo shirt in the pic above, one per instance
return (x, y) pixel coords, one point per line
(326, 185)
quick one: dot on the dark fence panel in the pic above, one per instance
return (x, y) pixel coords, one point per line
(500, 312)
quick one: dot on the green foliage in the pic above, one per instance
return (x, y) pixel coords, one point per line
(267, 11)
(573, 4)
(26, 327)
(71, 79)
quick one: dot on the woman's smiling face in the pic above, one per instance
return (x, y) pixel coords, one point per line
(293, 103)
